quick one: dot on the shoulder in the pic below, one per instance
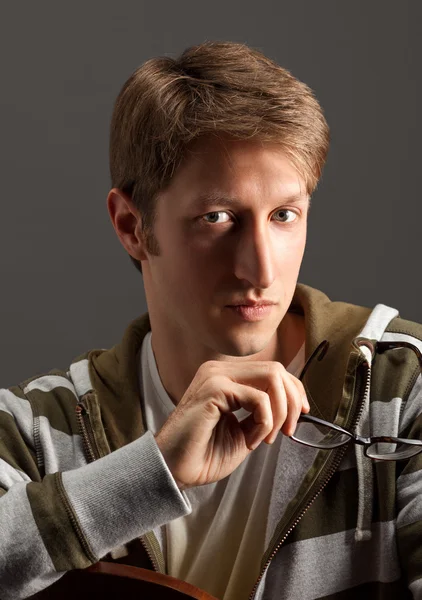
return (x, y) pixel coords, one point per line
(51, 395)
(396, 372)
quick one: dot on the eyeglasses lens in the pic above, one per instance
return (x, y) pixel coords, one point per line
(384, 450)
(319, 435)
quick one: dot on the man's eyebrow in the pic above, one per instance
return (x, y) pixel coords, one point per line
(212, 198)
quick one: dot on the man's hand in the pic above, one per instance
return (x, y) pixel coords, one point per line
(202, 441)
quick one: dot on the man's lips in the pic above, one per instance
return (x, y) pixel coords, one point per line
(252, 303)
(252, 313)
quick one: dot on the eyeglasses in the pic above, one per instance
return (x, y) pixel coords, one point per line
(317, 433)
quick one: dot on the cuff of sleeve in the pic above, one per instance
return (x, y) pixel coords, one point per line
(125, 494)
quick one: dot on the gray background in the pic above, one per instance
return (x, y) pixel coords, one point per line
(66, 283)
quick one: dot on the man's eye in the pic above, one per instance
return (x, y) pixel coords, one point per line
(293, 215)
(215, 214)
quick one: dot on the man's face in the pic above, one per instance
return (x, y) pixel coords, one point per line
(231, 226)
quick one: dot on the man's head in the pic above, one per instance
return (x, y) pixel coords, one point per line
(220, 133)
(216, 87)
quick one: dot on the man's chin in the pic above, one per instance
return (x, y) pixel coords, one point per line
(238, 348)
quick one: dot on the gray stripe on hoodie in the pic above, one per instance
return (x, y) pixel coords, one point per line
(351, 563)
(47, 383)
(409, 498)
(25, 564)
(61, 451)
(9, 476)
(21, 411)
(413, 407)
(79, 372)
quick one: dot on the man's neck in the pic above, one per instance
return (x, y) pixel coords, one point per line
(286, 344)
(291, 336)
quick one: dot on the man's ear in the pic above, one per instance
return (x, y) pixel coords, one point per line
(127, 222)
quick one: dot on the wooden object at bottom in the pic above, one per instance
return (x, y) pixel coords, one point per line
(109, 581)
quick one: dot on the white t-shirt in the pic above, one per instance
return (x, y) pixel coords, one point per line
(219, 546)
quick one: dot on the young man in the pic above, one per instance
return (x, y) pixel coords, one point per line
(151, 453)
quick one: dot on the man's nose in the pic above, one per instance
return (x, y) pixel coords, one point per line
(254, 256)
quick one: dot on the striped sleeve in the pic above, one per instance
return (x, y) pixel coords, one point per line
(409, 495)
(52, 522)
(25, 564)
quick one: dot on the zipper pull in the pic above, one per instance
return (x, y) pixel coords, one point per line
(81, 410)
(359, 342)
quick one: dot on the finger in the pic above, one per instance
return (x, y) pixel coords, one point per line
(248, 427)
(294, 405)
(305, 402)
(279, 401)
(258, 424)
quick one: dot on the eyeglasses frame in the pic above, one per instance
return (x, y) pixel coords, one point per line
(357, 439)
(380, 347)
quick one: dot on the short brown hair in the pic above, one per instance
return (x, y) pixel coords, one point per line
(212, 88)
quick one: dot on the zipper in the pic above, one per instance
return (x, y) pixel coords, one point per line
(150, 555)
(88, 440)
(366, 392)
(333, 465)
(91, 451)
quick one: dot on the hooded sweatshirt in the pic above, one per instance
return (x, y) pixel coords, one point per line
(82, 478)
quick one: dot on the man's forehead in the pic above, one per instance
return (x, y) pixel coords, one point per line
(253, 172)
(226, 150)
